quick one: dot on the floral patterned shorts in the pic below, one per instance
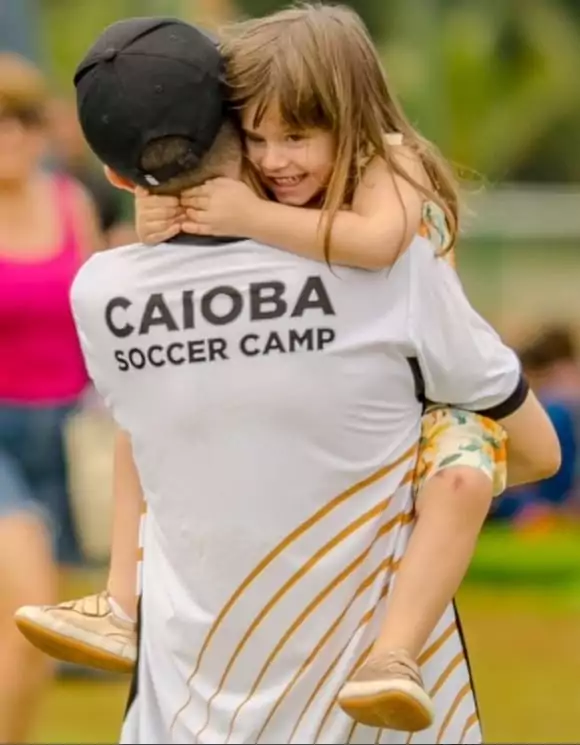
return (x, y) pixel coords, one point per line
(455, 437)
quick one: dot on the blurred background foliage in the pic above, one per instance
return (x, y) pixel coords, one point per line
(494, 83)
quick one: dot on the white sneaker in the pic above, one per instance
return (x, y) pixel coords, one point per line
(83, 631)
(387, 691)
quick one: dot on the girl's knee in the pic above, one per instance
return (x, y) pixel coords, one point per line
(464, 480)
(463, 489)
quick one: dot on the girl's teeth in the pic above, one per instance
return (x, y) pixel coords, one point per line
(287, 181)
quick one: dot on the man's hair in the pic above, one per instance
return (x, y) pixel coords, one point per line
(166, 151)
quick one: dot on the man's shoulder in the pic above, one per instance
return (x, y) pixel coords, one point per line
(125, 265)
(102, 270)
(102, 260)
(426, 267)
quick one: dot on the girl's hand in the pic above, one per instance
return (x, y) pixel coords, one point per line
(157, 218)
(221, 207)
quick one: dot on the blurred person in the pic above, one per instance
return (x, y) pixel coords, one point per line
(551, 361)
(70, 155)
(401, 667)
(46, 231)
(288, 227)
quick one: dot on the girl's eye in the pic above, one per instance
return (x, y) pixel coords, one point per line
(254, 139)
(296, 137)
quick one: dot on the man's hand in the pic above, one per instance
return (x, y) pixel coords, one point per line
(220, 207)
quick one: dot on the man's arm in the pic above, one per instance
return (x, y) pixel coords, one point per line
(128, 502)
(534, 451)
(128, 508)
(465, 364)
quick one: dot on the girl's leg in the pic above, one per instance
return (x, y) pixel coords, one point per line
(451, 506)
(451, 509)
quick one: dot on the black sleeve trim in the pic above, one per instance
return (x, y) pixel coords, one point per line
(511, 404)
(418, 379)
(514, 401)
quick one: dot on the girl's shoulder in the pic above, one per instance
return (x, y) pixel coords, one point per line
(392, 139)
(406, 162)
(402, 161)
(433, 225)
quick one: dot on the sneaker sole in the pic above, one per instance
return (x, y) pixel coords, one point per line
(72, 650)
(392, 708)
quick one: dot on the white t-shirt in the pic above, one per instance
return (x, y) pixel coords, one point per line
(274, 422)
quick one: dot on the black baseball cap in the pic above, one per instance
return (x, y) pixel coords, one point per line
(148, 78)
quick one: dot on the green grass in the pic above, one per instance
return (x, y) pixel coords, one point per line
(525, 650)
(547, 559)
(82, 712)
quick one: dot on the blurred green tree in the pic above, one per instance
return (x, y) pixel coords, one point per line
(494, 84)
(70, 27)
(489, 82)
(374, 12)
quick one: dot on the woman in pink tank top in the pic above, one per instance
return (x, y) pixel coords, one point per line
(47, 229)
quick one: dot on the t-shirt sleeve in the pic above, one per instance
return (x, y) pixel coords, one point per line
(461, 358)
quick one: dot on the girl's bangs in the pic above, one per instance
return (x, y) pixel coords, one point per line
(294, 93)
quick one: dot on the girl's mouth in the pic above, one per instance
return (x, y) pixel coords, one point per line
(286, 182)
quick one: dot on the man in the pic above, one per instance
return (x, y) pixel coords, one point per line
(274, 420)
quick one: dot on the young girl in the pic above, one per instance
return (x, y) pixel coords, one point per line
(339, 174)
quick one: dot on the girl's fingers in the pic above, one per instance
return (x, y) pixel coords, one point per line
(195, 228)
(156, 200)
(195, 191)
(163, 237)
(160, 227)
(195, 215)
(195, 201)
(158, 215)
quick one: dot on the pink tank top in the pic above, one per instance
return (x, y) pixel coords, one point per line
(40, 357)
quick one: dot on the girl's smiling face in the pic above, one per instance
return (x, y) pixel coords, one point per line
(295, 166)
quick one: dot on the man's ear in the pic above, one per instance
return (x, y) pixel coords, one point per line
(119, 181)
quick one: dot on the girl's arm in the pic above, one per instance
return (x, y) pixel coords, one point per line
(385, 215)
